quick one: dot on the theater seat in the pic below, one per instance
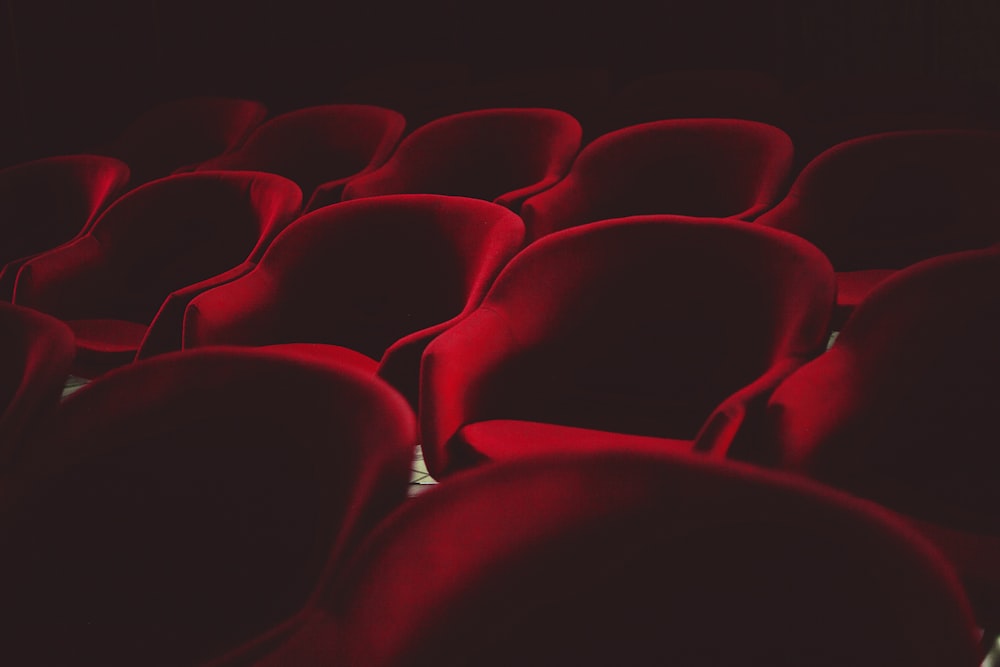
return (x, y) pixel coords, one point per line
(608, 560)
(879, 203)
(47, 202)
(718, 168)
(644, 329)
(168, 239)
(321, 148)
(181, 506)
(181, 134)
(501, 155)
(380, 277)
(902, 408)
(36, 352)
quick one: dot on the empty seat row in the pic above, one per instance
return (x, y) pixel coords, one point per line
(843, 418)
(234, 507)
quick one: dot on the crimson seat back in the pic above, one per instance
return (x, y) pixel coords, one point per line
(501, 155)
(696, 167)
(318, 144)
(35, 356)
(615, 560)
(903, 407)
(639, 325)
(47, 202)
(886, 201)
(182, 505)
(156, 239)
(381, 276)
(183, 133)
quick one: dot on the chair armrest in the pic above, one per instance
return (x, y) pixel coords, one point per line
(515, 198)
(330, 192)
(67, 282)
(455, 375)
(165, 333)
(240, 312)
(737, 416)
(400, 363)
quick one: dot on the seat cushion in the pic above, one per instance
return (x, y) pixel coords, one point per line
(104, 344)
(853, 287)
(509, 439)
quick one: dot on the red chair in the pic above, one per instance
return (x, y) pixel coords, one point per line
(879, 203)
(321, 148)
(638, 560)
(501, 155)
(902, 408)
(183, 133)
(183, 505)
(37, 351)
(381, 277)
(47, 202)
(166, 240)
(695, 167)
(654, 328)
(745, 94)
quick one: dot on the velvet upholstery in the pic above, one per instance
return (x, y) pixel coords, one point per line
(381, 276)
(501, 155)
(611, 560)
(183, 133)
(36, 352)
(745, 94)
(720, 168)
(879, 203)
(644, 326)
(321, 148)
(182, 505)
(47, 202)
(903, 407)
(171, 236)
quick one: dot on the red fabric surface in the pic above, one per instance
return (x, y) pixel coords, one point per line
(381, 276)
(183, 133)
(853, 287)
(903, 408)
(629, 560)
(180, 506)
(696, 167)
(501, 155)
(35, 356)
(641, 325)
(161, 237)
(321, 148)
(889, 200)
(48, 202)
(507, 439)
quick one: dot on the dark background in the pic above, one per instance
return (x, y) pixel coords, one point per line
(73, 71)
